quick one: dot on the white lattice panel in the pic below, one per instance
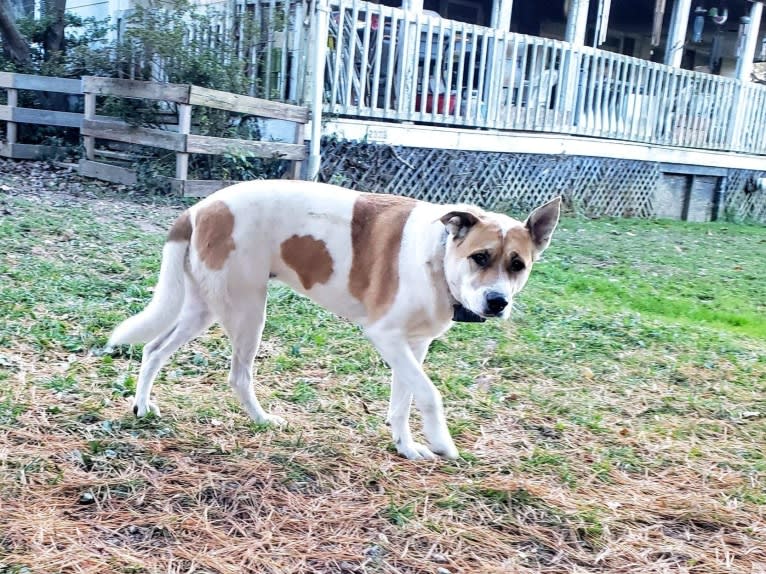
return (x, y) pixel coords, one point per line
(592, 186)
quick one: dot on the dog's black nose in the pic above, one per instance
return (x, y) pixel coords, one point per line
(496, 302)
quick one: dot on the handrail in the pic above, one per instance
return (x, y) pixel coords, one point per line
(384, 62)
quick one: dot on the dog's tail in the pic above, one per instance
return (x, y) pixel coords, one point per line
(161, 312)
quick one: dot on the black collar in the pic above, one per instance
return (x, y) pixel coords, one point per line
(463, 315)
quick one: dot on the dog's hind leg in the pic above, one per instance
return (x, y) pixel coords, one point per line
(399, 409)
(396, 351)
(195, 317)
(245, 327)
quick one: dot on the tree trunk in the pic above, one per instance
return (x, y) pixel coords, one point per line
(53, 38)
(14, 44)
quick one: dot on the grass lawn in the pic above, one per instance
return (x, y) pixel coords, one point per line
(616, 424)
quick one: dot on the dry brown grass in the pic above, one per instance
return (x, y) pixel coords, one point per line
(220, 499)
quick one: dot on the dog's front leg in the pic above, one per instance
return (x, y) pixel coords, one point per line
(399, 410)
(409, 380)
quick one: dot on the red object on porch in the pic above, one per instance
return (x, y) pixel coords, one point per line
(445, 103)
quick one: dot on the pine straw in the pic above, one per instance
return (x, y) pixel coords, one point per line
(221, 499)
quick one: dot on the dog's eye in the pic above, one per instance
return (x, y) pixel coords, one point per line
(481, 258)
(517, 265)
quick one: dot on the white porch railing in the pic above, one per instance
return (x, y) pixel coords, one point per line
(266, 37)
(383, 62)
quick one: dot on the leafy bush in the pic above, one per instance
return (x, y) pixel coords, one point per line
(161, 41)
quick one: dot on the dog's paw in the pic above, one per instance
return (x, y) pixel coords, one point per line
(273, 421)
(415, 451)
(141, 410)
(445, 449)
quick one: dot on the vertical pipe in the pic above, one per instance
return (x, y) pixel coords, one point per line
(12, 127)
(746, 57)
(300, 137)
(297, 67)
(674, 49)
(269, 50)
(88, 114)
(744, 68)
(321, 21)
(285, 51)
(501, 14)
(184, 127)
(577, 22)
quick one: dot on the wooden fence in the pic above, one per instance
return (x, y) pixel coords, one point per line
(14, 115)
(180, 138)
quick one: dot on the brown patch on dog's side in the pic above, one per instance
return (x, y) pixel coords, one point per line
(212, 234)
(376, 238)
(309, 258)
(181, 229)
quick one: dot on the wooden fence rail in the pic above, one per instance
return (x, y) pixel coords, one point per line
(181, 140)
(14, 115)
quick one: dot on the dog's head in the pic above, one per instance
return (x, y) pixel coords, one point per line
(489, 256)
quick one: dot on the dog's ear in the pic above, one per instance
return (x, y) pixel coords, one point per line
(458, 223)
(541, 223)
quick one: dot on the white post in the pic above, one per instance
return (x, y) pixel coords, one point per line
(501, 14)
(659, 14)
(747, 54)
(321, 22)
(184, 127)
(412, 5)
(88, 114)
(602, 22)
(679, 21)
(300, 139)
(12, 127)
(577, 22)
(737, 125)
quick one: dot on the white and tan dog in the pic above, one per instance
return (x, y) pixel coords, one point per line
(399, 268)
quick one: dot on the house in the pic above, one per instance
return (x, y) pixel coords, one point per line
(645, 107)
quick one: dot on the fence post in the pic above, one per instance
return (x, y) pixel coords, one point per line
(321, 21)
(184, 127)
(12, 128)
(89, 113)
(300, 136)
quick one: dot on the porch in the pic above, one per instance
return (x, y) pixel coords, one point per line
(391, 65)
(453, 110)
(360, 64)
